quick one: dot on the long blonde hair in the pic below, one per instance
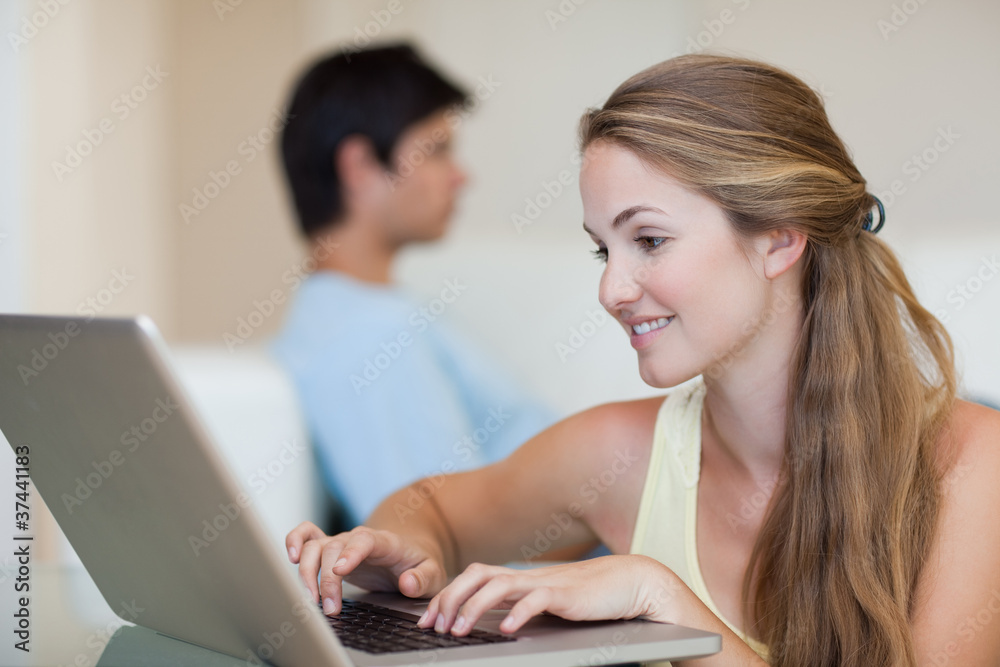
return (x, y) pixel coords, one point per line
(834, 568)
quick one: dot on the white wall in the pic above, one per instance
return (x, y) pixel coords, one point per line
(11, 243)
(98, 170)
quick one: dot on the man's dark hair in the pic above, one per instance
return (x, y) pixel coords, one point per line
(377, 93)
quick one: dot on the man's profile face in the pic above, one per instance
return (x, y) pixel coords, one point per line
(423, 183)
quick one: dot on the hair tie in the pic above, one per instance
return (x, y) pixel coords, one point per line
(867, 226)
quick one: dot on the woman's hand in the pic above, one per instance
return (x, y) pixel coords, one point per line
(610, 587)
(377, 560)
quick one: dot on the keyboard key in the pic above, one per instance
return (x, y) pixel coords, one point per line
(374, 629)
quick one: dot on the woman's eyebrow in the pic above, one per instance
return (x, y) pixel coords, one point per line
(625, 215)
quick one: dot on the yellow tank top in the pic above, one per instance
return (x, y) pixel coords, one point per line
(665, 526)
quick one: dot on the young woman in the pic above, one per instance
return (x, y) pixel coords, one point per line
(816, 494)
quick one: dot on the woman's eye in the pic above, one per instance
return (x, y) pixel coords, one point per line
(649, 242)
(601, 254)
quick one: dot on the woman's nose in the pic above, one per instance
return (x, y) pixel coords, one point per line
(618, 287)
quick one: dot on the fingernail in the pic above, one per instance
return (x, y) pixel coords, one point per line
(292, 553)
(423, 618)
(328, 606)
(439, 625)
(459, 625)
(342, 561)
(508, 623)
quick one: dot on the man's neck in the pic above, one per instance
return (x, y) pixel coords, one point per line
(354, 249)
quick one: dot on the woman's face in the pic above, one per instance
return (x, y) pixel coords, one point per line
(675, 277)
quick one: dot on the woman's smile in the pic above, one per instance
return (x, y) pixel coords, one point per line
(644, 333)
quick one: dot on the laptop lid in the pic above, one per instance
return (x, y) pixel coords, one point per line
(161, 526)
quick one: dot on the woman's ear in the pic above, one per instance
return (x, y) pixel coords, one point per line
(781, 249)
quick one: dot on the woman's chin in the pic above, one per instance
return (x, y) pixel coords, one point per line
(663, 378)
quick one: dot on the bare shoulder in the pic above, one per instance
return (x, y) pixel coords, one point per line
(975, 429)
(961, 578)
(624, 421)
(570, 483)
(610, 431)
(970, 447)
(618, 439)
(582, 445)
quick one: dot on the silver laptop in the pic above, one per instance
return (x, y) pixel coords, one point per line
(124, 463)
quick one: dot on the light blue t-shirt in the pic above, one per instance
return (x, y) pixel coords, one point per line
(391, 396)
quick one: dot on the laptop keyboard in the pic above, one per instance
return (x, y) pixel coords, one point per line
(374, 629)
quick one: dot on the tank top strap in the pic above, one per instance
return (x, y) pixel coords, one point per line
(674, 468)
(679, 424)
(665, 528)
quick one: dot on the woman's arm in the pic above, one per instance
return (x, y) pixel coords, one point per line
(576, 482)
(956, 619)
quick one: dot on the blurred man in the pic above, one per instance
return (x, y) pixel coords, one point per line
(389, 392)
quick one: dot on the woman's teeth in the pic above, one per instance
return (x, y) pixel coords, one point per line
(646, 327)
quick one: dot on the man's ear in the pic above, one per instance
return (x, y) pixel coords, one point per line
(781, 248)
(358, 168)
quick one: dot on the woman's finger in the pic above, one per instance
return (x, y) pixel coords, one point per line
(443, 608)
(426, 578)
(330, 582)
(502, 589)
(526, 608)
(298, 536)
(356, 549)
(309, 564)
